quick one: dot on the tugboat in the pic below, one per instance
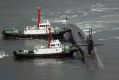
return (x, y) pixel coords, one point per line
(37, 31)
(53, 50)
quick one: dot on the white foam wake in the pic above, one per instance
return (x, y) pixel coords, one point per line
(2, 54)
(42, 62)
(100, 64)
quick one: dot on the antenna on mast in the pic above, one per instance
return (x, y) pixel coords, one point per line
(66, 19)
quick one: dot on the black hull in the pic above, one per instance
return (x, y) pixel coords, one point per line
(23, 36)
(33, 36)
(56, 55)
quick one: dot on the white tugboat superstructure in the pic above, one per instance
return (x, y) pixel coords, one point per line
(55, 47)
(42, 29)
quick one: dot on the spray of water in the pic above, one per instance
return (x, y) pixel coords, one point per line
(3, 54)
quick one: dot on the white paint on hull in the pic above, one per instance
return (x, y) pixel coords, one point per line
(49, 51)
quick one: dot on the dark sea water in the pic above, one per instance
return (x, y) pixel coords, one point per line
(102, 15)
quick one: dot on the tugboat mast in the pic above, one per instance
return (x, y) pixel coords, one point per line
(49, 37)
(39, 15)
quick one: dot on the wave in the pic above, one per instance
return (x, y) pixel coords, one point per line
(58, 21)
(101, 39)
(30, 43)
(84, 13)
(115, 37)
(103, 9)
(64, 16)
(89, 22)
(42, 62)
(86, 25)
(108, 0)
(97, 22)
(59, 16)
(2, 54)
(68, 11)
(98, 26)
(86, 31)
(76, 11)
(110, 16)
(97, 10)
(73, 16)
(72, 13)
(34, 19)
(107, 21)
(113, 29)
(97, 5)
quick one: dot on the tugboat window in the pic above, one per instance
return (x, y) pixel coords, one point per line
(52, 44)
